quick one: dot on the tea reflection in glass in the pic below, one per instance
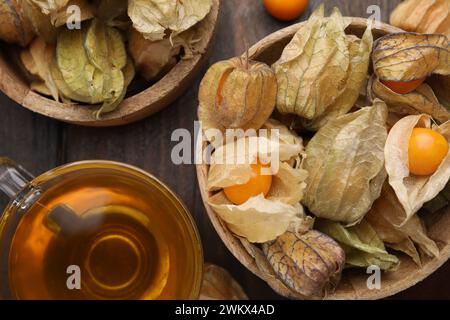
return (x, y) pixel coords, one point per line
(119, 227)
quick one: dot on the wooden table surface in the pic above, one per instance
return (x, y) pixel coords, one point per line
(40, 144)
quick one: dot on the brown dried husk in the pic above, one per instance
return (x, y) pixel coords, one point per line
(15, 28)
(424, 16)
(37, 59)
(310, 263)
(153, 59)
(413, 191)
(46, 17)
(386, 213)
(237, 93)
(420, 101)
(218, 284)
(410, 56)
(313, 68)
(60, 17)
(49, 6)
(40, 22)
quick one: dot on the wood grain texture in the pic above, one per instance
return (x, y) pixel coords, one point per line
(40, 144)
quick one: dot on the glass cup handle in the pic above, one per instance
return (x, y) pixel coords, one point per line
(13, 178)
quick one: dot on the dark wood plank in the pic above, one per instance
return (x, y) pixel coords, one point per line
(40, 144)
(30, 139)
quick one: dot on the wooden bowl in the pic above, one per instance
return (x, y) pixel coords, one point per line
(133, 108)
(353, 283)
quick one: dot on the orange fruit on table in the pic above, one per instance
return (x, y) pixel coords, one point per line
(403, 87)
(427, 150)
(258, 183)
(286, 10)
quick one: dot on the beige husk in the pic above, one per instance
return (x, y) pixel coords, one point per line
(413, 191)
(422, 100)
(46, 16)
(236, 93)
(313, 67)
(424, 16)
(152, 58)
(410, 56)
(341, 186)
(36, 60)
(359, 50)
(218, 284)
(386, 213)
(261, 218)
(155, 18)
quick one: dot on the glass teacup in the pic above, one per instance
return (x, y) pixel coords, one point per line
(95, 230)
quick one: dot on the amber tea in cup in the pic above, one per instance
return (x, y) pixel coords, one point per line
(97, 230)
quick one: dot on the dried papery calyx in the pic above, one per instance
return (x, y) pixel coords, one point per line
(15, 27)
(49, 6)
(308, 263)
(91, 66)
(262, 217)
(359, 50)
(363, 247)
(413, 191)
(406, 57)
(386, 213)
(218, 284)
(429, 16)
(153, 58)
(46, 16)
(40, 22)
(60, 17)
(314, 67)
(421, 100)
(237, 93)
(157, 18)
(36, 60)
(341, 186)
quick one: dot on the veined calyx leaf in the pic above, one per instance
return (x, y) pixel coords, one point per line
(410, 56)
(422, 100)
(312, 70)
(363, 247)
(345, 163)
(386, 213)
(92, 66)
(309, 263)
(430, 16)
(153, 18)
(359, 50)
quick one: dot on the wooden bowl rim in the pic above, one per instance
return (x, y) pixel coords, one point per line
(235, 246)
(134, 108)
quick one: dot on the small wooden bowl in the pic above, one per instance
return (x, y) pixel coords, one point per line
(353, 283)
(134, 108)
